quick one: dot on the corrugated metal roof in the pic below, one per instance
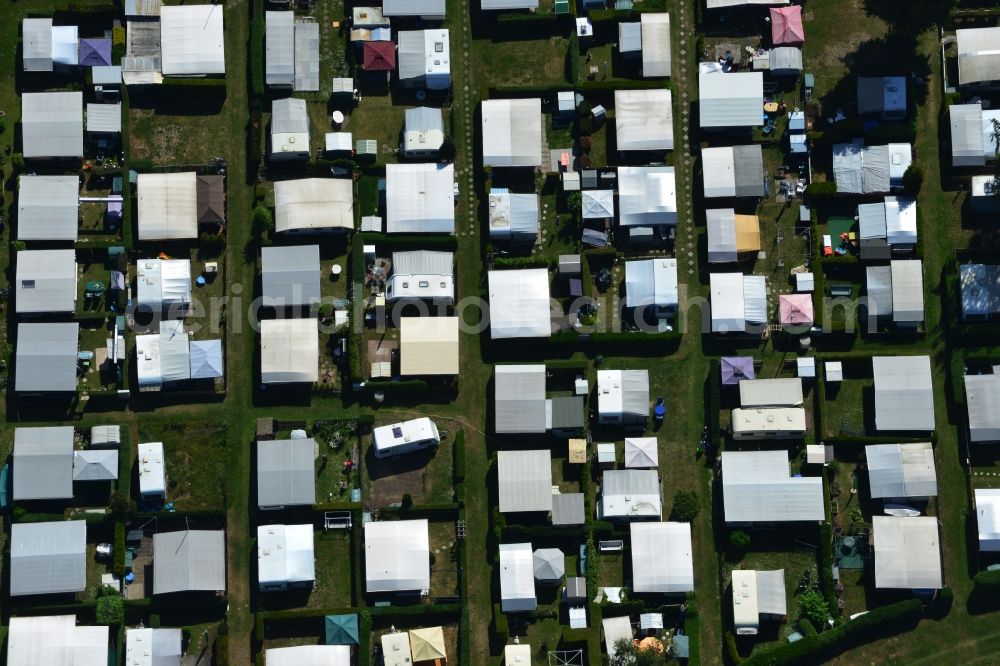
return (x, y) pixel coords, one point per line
(104, 118)
(879, 290)
(904, 395)
(568, 509)
(630, 493)
(290, 275)
(52, 124)
(907, 291)
(286, 472)
(43, 463)
(757, 486)
(306, 56)
(748, 163)
(899, 471)
(36, 37)
(46, 357)
(907, 552)
(519, 395)
(524, 480)
(427, 8)
(48, 207)
(48, 558)
(45, 281)
(279, 48)
(731, 99)
(189, 561)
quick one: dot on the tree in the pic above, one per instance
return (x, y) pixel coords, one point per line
(739, 544)
(119, 504)
(574, 201)
(685, 506)
(814, 608)
(627, 653)
(913, 178)
(110, 607)
(263, 221)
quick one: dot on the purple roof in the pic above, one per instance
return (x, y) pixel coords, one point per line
(735, 368)
(95, 52)
(115, 209)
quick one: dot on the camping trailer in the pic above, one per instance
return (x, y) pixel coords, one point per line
(405, 437)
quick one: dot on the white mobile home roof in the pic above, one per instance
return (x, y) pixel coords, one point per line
(424, 57)
(306, 56)
(661, 558)
(779, 392)
(727, 302)
(289, 351)
(878, 285)
(769, 421)
(644, 119)
(285, 554)
(757, 486)
(624, 394)
(192, 41)
(152, 471)
(153, 647)
(168, 205)
(48, 207)
(907, 290)
(290, 275)
(655, 45)
(313, 204)
(289, 128)
(988, 518)
(647, 196)
(422, 274)
(189, 561)
(104, 118)
(428, 346)
(43, 463)
(391, 436)
(901, 220)
(419, 198)
(395, 649)
(519, 303)
(519, 398)
(52, 124)
(730, 99)
(512, 132)
(422, 8)
(45, 281)
(162, 283)
(286, 472)
(901, 470)
(871, 220)
(48, 558)
(279, 48)
(36, 37)
(651, 282)
(904, 397)
(45, 357)
(310, 655)
(982, 399)
(978, 55)
(397, 556)
(524, 480)
(630, 493)
(56, 640)
(517, 578)
(164, 356)
(513, 216)
(907, 553)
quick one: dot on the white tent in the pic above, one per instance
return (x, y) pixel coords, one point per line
(419, 198)
(524, 480)
(55, 640)
(95, 465)
(907, 291)
(661, 558)
(168, 205)
(647, 196)
(289, 351)
(988, 518)
(982, 399)
(314, 204)
(642, 452)
(655, 44)
(757, 486)
(428, 346)
(36, 40)
(651, 282)
(616, 629)
(512, 132)
(285, 556)
(623, 396)
(397, 556)
(279, 41)
(163, 357)
(901, 471)
(164, 283)
(48, 208)
(309, 655)
(598, 204)
(517, 578)
(52, 124)
(192, 41)
(728, 303)
(730, 99)
(152, 471)
(907, 553)
(904, 397)
(519, 303)
(644, 119)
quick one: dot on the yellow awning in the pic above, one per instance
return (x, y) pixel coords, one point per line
(427, 644)
(747, 233)
(578, 451)
(428, 346)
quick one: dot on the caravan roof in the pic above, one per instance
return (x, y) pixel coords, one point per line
(285, 554)
(152, 472)
(644, 119)
(519, 303)
(420, 198)
(662, 560)
(517, 579)
(524, 480)
(397, 556)
(907, 552)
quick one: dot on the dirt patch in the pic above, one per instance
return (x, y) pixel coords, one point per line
(391, 478)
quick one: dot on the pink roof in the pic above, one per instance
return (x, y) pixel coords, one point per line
(786, 26)
(795, 309)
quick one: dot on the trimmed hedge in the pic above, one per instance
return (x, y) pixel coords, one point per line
(408, 242)
(119, 551)
(257, 29)
(714, 406)
(824, 564)
(458, 456)
(873, 625)
(521, 262)
(207, 83)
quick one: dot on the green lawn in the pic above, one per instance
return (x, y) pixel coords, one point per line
(195, 455)
(524, 61)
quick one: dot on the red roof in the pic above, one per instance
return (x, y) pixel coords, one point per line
(379, 56)
(795, 309)
(786, 26)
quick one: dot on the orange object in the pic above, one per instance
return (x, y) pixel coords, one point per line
(827, 251)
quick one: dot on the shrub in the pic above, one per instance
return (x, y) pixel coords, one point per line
(154, 621)
(17, 161)
(585, 144)
(263, 220)
(407, 501)
(3, 124)
(223, 628)
(813, 607)
(685, 506)
(732, 653)
(739, 544)
(110, 607)
(459, 455)
(535, 261)
(806, 627)
(818, 191)
(257, 57)
(941, 605)
(913, 178)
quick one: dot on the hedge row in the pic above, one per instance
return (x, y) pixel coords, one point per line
(598, 86)
(196, 83)
(714, 406)
(407, 389)
(521, 262)
(119, 551)
(458, 456)
(824, 563)
(257, 29)
(408, 242)
(879, 623)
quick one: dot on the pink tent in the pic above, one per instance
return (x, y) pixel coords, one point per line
(795, 309)
(786, 26)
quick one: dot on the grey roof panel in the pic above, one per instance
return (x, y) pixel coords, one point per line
(45, 357)
(189, 561)
(48, 558)
(95, 465)
(525, 480)
(290, 275)
(43, 463)
(286, 472)
(748, 163)
(279, 48)
(306, 56)
(568, 509)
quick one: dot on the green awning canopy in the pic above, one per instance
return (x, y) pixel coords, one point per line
(561, 7)
(5, 487)
(342, 630)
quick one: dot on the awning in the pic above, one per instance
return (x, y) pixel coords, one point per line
(379, 56)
